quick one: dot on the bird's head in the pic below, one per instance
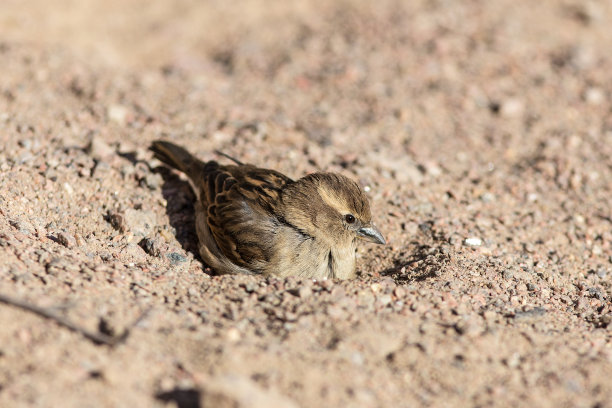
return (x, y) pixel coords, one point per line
(330, 207)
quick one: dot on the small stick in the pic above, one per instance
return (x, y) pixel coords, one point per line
(98, 338)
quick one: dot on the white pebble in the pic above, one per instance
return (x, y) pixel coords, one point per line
(117, 114)
(473, 241)
(233, 335)
(595, 96)
(512, 108)
(68, 188)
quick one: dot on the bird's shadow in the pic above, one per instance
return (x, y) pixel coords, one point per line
(180, 209)
(425, 261)
(183, 398)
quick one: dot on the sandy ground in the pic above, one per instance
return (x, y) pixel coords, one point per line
(482, 131)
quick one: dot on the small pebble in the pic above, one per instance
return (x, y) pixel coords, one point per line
(473, 241)
(487, 197)
(176, 258)
(25, 143)
(384, 300)
(117, 114)
(513, 361)
(376, 287)
(68, 188)
(153, 181)
(249, 287)
(326, 284)
(98, 149)
(512, 108)
(22, 226)
(100, 170)
(140, 223)
(66, 239)
(127, 170)
(594, 96)
(304, 292)
(233, 335)
(150, 246)
(117, 220)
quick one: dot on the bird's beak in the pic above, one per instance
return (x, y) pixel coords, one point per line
(372, 234)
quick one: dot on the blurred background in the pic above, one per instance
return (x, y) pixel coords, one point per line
(436, 81)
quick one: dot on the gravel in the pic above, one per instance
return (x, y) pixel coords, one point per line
(484, 148)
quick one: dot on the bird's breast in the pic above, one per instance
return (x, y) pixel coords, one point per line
(341, 262)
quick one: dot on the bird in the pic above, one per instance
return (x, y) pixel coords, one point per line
(252, 220)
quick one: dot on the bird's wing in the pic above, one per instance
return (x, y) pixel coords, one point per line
(241, 201)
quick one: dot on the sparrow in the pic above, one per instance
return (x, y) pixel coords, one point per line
(258, 221)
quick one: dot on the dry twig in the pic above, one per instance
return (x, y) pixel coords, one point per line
(96, 337)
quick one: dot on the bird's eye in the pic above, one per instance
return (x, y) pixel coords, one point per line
(349, 218)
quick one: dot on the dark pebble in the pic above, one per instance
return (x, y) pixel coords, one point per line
(176, 258)
(150, 246)
(66, 239)
(117, 220)
(530, 313)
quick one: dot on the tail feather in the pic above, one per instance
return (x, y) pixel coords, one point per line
(177, 157)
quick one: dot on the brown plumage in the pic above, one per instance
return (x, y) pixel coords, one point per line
(254, 220)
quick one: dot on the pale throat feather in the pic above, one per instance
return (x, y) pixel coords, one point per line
(341, 262)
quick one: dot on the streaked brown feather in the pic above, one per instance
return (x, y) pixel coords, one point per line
(238, 199)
